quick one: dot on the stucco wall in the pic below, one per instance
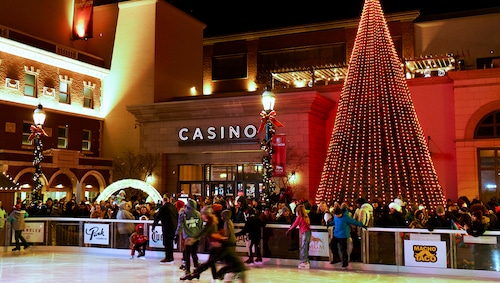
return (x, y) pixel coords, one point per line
(476, 94)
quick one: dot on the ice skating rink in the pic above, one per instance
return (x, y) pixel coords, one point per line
(41, 265)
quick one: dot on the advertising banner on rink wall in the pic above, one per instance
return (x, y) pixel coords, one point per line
(319, 244)
(156, 238)
(425, 253)
(33, 233)
(95, 233)
(279, 155)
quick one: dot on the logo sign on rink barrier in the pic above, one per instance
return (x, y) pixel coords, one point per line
(95, 233)
(319, 244)
(156, 238)
(425, 253)
(33, 233)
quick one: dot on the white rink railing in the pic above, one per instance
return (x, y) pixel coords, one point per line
(398, 250)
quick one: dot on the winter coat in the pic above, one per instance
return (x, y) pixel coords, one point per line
(476, 229)
(342, 226)
(3, 217)
(168, 216)
(253, 227)
(440, 222)
(228, 230)
(137, 238)
(16, 218)
(189, 222)
(125, 214)
(302, 224)
(364, 214)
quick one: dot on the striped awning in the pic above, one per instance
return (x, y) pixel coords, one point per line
(428, 64)
(302, 77)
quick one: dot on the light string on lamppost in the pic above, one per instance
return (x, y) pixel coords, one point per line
(268, 121)
(36, 131)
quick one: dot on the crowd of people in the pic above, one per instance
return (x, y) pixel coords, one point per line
(189, 217)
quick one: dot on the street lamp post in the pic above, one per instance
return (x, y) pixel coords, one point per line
(268, 121)
(36, 132)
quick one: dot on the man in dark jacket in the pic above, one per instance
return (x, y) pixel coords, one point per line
(441, 219)
(253, 228)
(168, 215)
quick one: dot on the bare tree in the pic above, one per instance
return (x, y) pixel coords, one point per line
(295, 161)
(135, 165)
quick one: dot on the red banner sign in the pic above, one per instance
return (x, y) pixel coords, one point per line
(279, 155)
(82, 19)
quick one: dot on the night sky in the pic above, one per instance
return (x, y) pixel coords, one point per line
(233, 16)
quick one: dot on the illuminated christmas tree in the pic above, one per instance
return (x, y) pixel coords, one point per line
(377, 148)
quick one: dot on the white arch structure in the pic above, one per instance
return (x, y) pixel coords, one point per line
(130, 183)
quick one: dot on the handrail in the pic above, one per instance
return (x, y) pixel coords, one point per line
(435, 231)
(382, 249)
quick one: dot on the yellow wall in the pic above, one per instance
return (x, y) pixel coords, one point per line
(157, 55)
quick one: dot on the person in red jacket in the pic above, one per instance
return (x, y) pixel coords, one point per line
(139, 242)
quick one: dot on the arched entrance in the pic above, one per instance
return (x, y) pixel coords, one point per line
(91, 184)
(25, 179)
(130, 183)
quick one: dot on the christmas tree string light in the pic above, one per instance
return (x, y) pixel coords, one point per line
(377, 148)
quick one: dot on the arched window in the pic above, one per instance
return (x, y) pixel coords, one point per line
(489, 126)
(489, 158)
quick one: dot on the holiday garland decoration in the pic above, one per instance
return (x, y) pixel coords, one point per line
(377, 149)
(36, 132)
(268, 120)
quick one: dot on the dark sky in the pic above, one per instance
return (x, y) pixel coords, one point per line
(233, 16)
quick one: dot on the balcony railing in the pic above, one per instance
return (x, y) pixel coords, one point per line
(49, 46)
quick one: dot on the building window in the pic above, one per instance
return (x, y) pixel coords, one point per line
(303, 57)
(86, 138)
(489, 158)
(227, 180)
(30, 85)
(489, 173)
(88, 96)
(62, 137)
(64, 92)
(489, 126)
(26, 133)
(227, 67)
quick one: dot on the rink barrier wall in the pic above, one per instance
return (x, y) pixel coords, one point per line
(379, 249)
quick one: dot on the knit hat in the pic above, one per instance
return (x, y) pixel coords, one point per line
(395, 206)
(400, 202)
(216, 207)
(327, 217)
(139, 227)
